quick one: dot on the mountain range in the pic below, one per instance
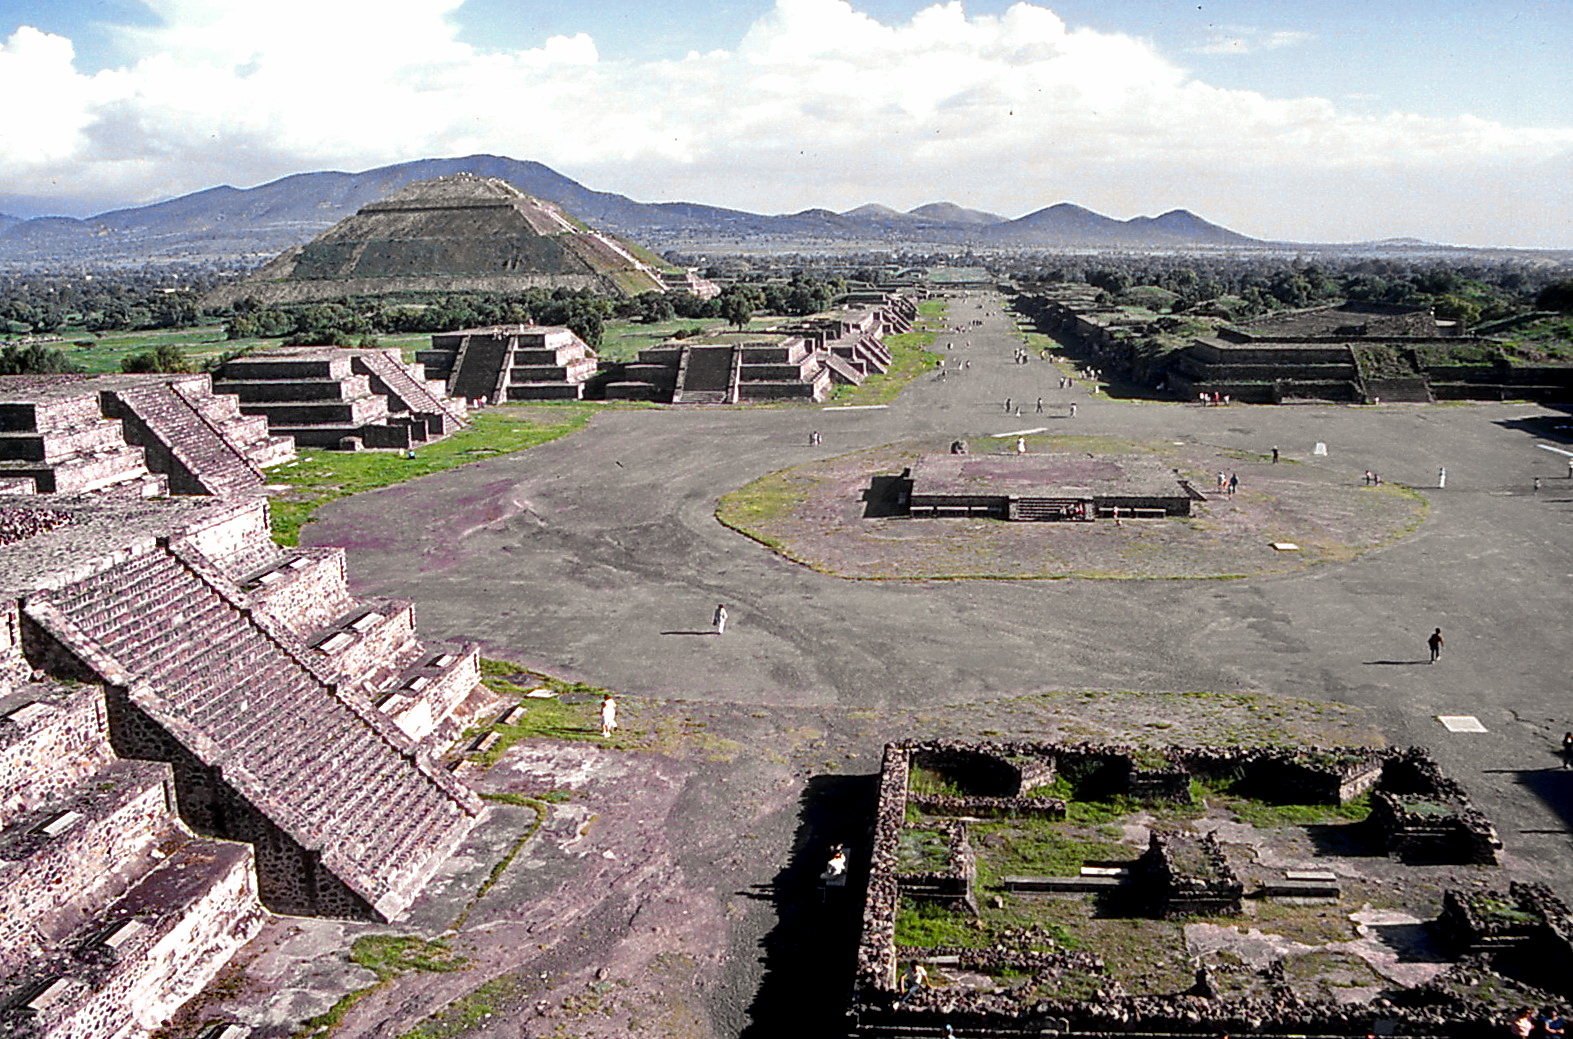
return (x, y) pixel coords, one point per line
(228, 224)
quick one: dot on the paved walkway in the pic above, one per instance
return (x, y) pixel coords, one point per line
(598, 557)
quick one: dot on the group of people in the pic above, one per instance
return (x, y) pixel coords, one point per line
(1228, 483)
(1213, 400)
(1550, 1021)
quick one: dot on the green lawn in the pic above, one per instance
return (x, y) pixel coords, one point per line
(103, 353)
(319, 477)
(622, 340)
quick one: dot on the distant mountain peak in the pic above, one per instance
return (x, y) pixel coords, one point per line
(950, 213)
(874, 210)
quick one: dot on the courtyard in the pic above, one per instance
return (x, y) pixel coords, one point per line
(598, 559)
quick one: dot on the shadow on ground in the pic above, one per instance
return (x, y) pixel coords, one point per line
(883, 497)
(811, 953)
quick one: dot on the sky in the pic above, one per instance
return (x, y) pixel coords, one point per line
(1310, 120)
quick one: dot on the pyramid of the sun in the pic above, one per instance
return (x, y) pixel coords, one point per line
(454, 233)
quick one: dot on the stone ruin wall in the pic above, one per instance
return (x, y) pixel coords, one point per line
(84, 864)
(309, 597)
(52, 752)
(1329, 777)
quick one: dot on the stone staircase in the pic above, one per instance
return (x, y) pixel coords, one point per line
(1041, 509)
(169, 422)
(707, 375)
(346, 816)
(409, 393)
(511, 363)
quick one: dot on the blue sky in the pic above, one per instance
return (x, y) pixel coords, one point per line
(1319, 120)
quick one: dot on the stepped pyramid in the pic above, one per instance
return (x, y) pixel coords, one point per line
(455, 233)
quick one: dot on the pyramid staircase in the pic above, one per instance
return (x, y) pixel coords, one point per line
(200, 441)
(348, 818)
(707, 375)
(506, 363)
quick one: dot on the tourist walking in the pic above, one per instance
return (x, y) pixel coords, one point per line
(1275, 456)
(1234, 483)
(1567, 750)
(1040, 406)
(1435, 642)
(719, 620)
(1021, 445)
(1073, 409)
(608, 716)
(1007, 405)
(1441, 478)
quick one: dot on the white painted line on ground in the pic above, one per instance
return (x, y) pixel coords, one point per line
(1558, 450)
(1019, 433)
(857, 407)
(1460, 723)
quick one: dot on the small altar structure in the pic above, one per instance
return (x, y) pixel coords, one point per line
(1059, 486)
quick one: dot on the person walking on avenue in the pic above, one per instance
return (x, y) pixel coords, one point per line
(608, 716)
(1040, 406)
(1007, 405)
(1441, 478)
(1567, 750)
(1073, 409)
(1021, 445)
(1435, 642)
(719, 620)
(1275, 456)
(1234, 483)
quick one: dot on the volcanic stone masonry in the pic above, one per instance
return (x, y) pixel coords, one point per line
(325, 396)
(922, 852)
(137, 435)
(197, 726)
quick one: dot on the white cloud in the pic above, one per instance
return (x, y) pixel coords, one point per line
(1244, 39)
(818, 105)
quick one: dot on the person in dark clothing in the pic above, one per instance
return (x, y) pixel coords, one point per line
(1435, 642)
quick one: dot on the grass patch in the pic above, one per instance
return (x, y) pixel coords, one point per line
(387, 956)
(319, 477)
(1260, 813)
(1041, 848)
(922, 780)
(467, 1011)
(553, 717)
(921, 850)
(924, 925)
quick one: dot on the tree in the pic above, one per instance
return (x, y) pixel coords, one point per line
(34, 360)
(1556, 296)
(166, 358)
(737, 309)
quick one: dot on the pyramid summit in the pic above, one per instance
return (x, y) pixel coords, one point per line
(453, 233)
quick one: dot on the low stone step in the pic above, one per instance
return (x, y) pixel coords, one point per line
(1051, 884)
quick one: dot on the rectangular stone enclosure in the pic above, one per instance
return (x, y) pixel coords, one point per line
(1038, 487)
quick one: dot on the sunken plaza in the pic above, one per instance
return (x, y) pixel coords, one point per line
(264, 788)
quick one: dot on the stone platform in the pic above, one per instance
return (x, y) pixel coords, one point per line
(1061, 486)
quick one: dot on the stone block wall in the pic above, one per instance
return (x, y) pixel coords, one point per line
(303, 591)
(51, 737)
(47, 880)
